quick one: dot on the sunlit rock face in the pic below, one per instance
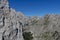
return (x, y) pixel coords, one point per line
(10, 28)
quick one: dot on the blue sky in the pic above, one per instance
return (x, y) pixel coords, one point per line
(36, 7)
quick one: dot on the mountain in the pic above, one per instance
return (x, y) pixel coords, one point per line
(16, 26)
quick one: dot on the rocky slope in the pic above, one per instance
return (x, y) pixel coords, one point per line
(46, 28)
(13, 24)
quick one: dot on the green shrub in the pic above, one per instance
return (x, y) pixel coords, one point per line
(27, 36)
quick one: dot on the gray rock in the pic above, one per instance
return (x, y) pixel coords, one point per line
(13, 24)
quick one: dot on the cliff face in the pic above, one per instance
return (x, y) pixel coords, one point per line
(13, 24)
(10, 28)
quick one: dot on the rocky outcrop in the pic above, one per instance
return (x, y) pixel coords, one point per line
(10, 28)
(46, 28)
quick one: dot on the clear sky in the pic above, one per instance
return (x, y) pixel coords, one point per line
(36, 7)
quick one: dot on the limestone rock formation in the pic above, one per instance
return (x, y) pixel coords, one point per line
(46, 28)
(10, 28)
(14, 24)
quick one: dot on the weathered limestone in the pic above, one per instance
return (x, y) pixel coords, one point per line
(46, 27)
(13, 24)
(10, 28)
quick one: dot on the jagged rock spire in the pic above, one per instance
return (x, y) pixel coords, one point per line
(4, 7)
